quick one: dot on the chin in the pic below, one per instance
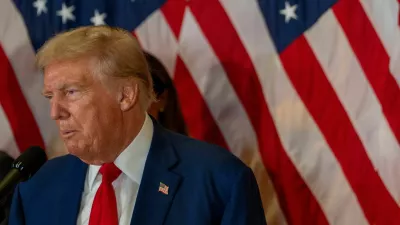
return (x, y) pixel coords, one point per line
(92, 162)
(78, 152)
(84, 154)
(86, 158)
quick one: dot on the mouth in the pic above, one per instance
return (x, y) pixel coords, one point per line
(67, 133)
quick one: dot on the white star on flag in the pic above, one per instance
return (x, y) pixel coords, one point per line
(40, 6)
(66, 13)
(98, 19)
(289, 12)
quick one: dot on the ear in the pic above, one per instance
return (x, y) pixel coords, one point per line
(129, 95)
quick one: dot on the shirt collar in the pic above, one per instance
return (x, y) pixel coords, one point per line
(132, 160)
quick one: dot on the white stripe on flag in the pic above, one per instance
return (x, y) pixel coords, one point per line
(156, 37)
(384, 18)
(7, 141)
(344, 72)
(221, 98)
(211, 79)
(301, 138)
(17, 46)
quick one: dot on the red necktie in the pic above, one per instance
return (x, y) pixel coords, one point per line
(104, 209)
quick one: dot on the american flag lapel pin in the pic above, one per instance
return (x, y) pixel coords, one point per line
(163, 188)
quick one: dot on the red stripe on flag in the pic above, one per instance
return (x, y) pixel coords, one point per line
(174, 11)
(26, 131)
(319, 96)
(198, 118)
(197, 115)
(296, 200)
(373, 58)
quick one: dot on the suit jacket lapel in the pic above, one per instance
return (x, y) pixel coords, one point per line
(71, 188)
(153, 203)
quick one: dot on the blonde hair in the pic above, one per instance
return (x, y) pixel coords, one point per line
(115, 51)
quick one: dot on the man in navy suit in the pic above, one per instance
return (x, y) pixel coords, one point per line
(123, 167)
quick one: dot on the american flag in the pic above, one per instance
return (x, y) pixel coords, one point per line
(305, 92)
(163, 188)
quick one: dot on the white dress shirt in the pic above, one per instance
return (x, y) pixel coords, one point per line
(131, 162)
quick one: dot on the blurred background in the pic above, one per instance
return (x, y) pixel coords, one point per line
(305, 92)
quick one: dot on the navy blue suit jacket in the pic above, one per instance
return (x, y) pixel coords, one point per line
(207, 185)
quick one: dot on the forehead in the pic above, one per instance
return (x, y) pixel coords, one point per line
(60, 73)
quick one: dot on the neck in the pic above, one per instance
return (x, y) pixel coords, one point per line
(132, 125)
(128, 128)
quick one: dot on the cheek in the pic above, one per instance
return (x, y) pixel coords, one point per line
(96, 121)
(108, 120)
(91, 123)
(96, 118)
(85, 116)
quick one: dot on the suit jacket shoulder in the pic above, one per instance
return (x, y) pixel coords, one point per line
(203, 156)
(48, 177)
(216, 187)
(51, 195)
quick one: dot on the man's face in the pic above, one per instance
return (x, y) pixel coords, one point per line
(86, 112)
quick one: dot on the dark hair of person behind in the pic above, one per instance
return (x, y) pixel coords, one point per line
(171, 117)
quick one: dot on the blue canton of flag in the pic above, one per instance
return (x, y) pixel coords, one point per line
(46, 18)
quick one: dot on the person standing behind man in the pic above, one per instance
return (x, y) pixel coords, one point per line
(123, 167)
(166, 109)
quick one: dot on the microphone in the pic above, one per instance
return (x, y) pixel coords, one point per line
(5, 163)
(5, 166)
(23, 168)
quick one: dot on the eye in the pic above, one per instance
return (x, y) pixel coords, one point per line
(71, 91)
(48, 97)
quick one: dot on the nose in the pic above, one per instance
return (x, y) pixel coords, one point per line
(57, 110)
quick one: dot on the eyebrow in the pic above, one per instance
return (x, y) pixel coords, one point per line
(63, 87)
